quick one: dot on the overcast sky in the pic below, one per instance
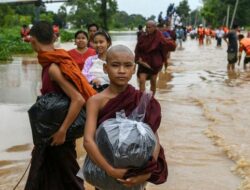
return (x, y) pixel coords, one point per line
(143, 7)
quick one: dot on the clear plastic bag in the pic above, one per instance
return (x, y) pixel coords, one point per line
(125, 142)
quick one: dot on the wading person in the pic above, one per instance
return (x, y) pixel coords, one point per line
(201, 34)
(54, 165)
(244, 46)
(219, 35)
(150, 54)
(121, 96)
(232, 50)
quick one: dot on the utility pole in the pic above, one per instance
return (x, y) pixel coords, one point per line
(228, 13)
(37, 10)
(104, 14)
(235, 9)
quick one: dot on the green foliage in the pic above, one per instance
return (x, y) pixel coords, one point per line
(5, 53)
(61, 17)
(7, 16)
(84, 12)
(152, 17)
(11, 20)
(196, 18)
(215, 11)
(183, 9)
(48, 16)
(11, 43)
(66, 36)
(24, 20)
(23, 9)
(102, 12)
(124, 21)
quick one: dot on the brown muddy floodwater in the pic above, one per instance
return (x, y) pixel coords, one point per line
(205, 128)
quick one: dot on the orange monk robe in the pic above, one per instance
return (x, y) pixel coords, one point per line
(69, 68)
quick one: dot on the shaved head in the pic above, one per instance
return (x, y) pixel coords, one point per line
(118, 49)
(151, 23)
(120, 65)
(150, 26)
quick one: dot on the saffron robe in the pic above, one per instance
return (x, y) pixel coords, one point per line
(128, 100)
(153, 49)
(53, 167)
(69, 68)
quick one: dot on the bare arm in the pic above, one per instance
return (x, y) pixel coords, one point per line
(157, 147)
(93, 106)
(76, 103)
(143, 63)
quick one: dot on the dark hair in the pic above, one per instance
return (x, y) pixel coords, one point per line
(105, 34)
(140, 27)
(235, 26)
(240, 36)
(43, 31)
(81, 32)
(91, 25)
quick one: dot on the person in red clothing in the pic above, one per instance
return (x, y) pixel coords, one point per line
(208, 34)
(225, 29)
(54, 166)
(244, 46)
(81, 52)
(150, 54)
(56, 30)
(119, 95)
(201, 34)
(25, 33)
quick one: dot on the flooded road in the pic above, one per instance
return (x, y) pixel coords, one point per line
(205, 128)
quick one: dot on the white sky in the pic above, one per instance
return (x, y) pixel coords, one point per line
(143, 7)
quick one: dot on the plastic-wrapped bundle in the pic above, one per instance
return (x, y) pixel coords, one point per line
(47, 115)
(125, 143)
(98, 177)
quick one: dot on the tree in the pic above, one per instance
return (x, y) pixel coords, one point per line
(137, 19)
(61, 17)
(152, 17)
(215, 11)
(108, 9)
(8, 17)
(84, 12)
(48, 16)
(183, 10)
(195, 17)
(121, 20)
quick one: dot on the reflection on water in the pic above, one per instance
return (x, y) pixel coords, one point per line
(18, 148)
(164, 80)
(19, 81)
(205, 118)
